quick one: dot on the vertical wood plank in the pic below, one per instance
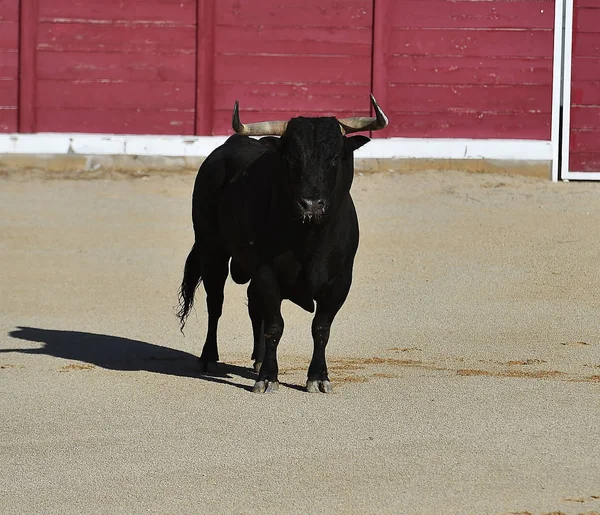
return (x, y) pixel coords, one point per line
(205, 54)
(29, 10)
(380, 60)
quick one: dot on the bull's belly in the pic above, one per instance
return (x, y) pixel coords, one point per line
(291, 277)
(301, 295)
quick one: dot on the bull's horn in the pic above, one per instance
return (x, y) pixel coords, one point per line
(274, 128)
(363, 123)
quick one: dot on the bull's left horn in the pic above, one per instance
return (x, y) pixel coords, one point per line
(273, 128)
(364, 123)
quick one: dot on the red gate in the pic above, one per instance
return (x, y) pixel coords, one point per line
(581, 128)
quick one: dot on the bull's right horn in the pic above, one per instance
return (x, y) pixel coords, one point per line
(365, 123)
(273, 128)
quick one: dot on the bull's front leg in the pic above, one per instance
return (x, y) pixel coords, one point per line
(318, 377)
(328, 306)
(264, 288)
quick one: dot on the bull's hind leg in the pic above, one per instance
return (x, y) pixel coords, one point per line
(258, 329)
(328, 306)
(264, 289)
(216, 269)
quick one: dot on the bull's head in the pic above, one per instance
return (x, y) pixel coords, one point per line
(317, 154)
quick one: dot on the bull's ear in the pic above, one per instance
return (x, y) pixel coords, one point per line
(354, 142)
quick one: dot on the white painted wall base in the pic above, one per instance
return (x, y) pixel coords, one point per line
(581, 176)
(201, 146)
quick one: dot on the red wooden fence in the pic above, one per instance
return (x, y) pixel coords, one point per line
(440, 68)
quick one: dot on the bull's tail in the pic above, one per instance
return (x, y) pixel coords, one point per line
(192, 275)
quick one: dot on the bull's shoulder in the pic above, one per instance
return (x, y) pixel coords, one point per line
(250, 158)
(231, 161)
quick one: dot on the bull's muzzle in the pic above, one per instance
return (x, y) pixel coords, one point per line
(311, 210)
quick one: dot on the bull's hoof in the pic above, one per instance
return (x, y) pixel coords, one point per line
(208, 367)
(265, 386)
(318, 386)
(257, 365)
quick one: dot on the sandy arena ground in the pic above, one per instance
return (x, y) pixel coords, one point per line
(465, 363)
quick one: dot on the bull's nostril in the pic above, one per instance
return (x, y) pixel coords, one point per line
(311, 206)
(304, 204)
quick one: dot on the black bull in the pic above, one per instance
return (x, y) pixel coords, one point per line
(280, 209)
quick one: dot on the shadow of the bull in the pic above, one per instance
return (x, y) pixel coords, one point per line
(117, 353)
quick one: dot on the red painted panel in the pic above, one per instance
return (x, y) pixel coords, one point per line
(151, 121)
(119, 66)
(469, 125)
(382, 35)
(308, 13)
(163, 11)
(9, 35)
(115, 95)
(586, 44)
(461, 68)
(428, 69)
(27, 64)
(293, 40)
(8, 120)
(205, 66)
(585, 141)
(279, 97)
(288, 58)
(585, 69)
(293, 69)
(587, 117)
(81, 37)
(584, 161)
(483, 43)
(123, 67)
(491, 99)
(9, 92)
(9, 10)
(586, 93)
(9, 65)
(587, 20)
(442, 14)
